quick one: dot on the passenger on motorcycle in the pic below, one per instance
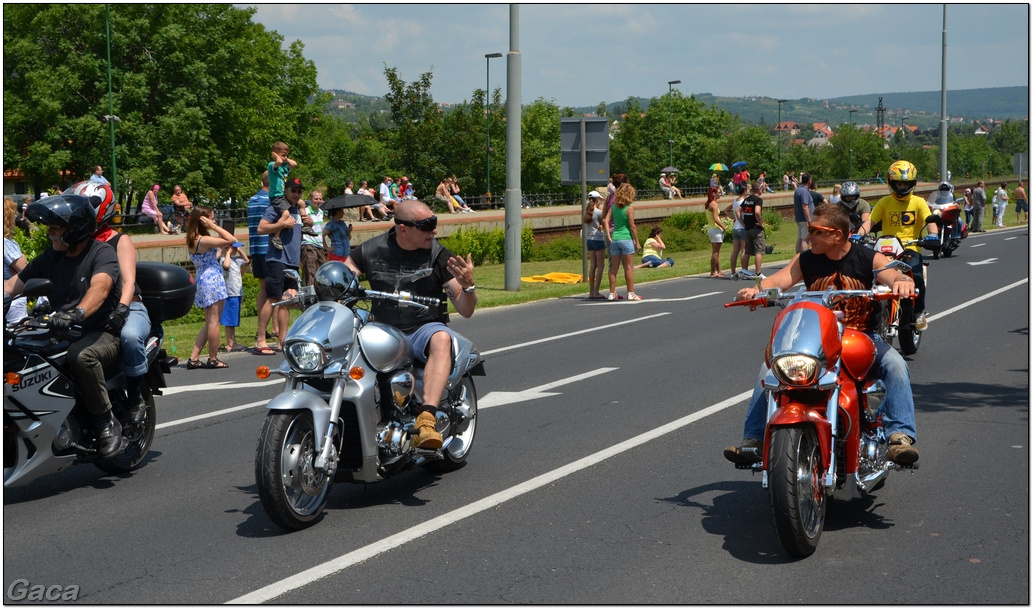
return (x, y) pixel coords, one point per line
(86, 289)
(834, 261)
(410, 246)
(129, 319)
(903, 214)
(850, 200)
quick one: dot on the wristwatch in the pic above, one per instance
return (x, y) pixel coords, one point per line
(470, 289)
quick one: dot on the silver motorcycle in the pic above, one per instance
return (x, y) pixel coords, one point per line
(352, 394)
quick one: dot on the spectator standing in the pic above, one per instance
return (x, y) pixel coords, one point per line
(232, 259)
(615, 182)
(738, 230)
(714, 182)
(793, 182)
(785, 182)
(279, 284)
(149, 207)
(751, 214)
(339, 234)
(715, 231)
(623, 240)
(258, 244)
(834, 198)
(816, 197)
(14, 260)
(653, 250)
(595, 242)
(98, 175)
(385, 195)
(1021, 204)
(211, 286)
(1001, 196)
(312, 253)
(21, 221)
(803, 207)
(978, 207)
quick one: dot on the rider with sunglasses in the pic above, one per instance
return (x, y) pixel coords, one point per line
(389, 262)
(834, 261)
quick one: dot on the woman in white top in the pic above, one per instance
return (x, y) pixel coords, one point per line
(738, 229)
(596, 243)
(834, 198)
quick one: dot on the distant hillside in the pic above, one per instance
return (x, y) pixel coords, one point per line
(918, 108)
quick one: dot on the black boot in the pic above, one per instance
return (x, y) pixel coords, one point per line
(135, 405)
(109, 436)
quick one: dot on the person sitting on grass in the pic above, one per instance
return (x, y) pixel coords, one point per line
(652, 251)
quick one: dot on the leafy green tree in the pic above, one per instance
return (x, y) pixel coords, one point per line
(201, 92)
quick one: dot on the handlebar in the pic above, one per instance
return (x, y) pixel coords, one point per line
(829, 298)
(404, 298)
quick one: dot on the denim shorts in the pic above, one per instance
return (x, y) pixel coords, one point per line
(622, 247)
(419, 339)
(738, 234)
(595, 245)
(654, 261)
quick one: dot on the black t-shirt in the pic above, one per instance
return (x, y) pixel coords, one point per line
(382, 260)
(750, 209)
(71, 278)
(817, 197)
(852, 272)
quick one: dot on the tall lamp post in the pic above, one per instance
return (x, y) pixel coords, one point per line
(670, 126)
(487, 117)
(850, 151)
(778, 128)
(111, 119)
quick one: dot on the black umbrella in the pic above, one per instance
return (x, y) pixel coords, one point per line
(348, 201)
(669, 169)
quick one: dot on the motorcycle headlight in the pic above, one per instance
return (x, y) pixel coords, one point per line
(306, 356)
(796, 369)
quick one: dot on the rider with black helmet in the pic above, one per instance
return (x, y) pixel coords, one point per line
(86, 288)
(850, 200)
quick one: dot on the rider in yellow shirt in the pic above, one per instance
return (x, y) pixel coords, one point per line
(904, 214)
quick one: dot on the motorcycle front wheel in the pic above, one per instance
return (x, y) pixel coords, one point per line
(462, 429)
(293, 493)
(795, 490)
(910, 338)
(136, 443)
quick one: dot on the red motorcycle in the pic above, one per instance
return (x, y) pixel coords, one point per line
(824, 437)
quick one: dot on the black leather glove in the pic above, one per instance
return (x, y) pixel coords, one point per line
(118, 318)
(64, 320)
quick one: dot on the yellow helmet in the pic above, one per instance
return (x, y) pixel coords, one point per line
(902, 178)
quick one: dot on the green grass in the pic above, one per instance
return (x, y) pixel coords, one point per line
(491, 283)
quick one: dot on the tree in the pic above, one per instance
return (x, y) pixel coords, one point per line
(201, 91)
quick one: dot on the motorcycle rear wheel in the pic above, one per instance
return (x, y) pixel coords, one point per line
(454, 455)
(910, 338)
(136, 443)
(292, 492)
(795, 492)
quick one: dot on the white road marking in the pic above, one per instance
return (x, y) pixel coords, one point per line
(501, 398)
(983, 262)
(218, 385)
(209, 415)
(978, 245)
(976, 300)
(340, 563)
(569, 334)
(646, 301)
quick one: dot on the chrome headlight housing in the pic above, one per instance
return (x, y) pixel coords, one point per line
(796, 369)
(306, 356)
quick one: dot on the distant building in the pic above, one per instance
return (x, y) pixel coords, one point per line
(790, 127)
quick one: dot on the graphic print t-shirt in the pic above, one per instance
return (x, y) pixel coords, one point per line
(852, 272)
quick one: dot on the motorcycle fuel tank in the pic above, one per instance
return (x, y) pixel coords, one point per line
(384, 347)
(327, 323)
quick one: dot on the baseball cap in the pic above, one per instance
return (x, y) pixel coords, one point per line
(238, 244)
(293, 183)
(594, 195)
(968, 191)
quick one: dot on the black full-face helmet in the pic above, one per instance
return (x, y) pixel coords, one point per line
(75, 212)
(333, 280)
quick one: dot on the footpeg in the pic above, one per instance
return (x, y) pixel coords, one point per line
(902, 466)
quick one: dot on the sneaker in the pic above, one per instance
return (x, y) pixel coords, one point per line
(426, 429)
(275, 242)
(634, 296)
(614, 296)
(921, 323)
(746, 453)
(901, 450)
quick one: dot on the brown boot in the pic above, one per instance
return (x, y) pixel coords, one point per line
(901, 450)
(426, 432)
(747, 453)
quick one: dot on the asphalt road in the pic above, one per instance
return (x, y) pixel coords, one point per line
(596, 475)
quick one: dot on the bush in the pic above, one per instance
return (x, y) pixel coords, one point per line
(487, 247)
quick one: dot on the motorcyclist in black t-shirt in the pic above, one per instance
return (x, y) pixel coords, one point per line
(86, 288)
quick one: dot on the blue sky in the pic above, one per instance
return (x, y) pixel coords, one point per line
(582, 54)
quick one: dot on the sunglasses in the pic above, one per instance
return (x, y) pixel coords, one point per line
(294, 189)
(814, 230)
(426, 225)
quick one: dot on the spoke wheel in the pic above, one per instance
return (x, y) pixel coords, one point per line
(462, 428)
(795, 492)
(136, 443)
(293, 493)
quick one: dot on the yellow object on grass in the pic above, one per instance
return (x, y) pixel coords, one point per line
(553, 277)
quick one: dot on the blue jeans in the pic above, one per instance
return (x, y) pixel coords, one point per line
(898, 409)
(134, 340)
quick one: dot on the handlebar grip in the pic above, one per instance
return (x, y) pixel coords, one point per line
(753, 302)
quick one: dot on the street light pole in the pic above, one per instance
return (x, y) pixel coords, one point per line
(778, 128)
(850, 151)
(111, 108)
(670, 127)
(487, 117)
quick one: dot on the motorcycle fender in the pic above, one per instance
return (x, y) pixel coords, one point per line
(296, 399)
(794, 414)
